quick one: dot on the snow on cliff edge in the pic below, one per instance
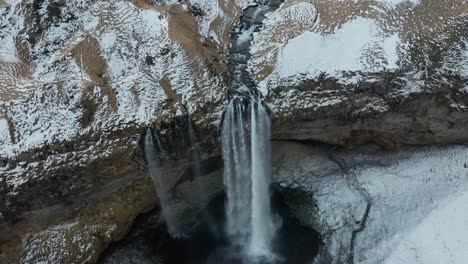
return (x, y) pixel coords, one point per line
(358, 41)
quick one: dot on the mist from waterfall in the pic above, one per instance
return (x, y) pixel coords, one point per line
(155, 155)
(195, 151)
(246, 146)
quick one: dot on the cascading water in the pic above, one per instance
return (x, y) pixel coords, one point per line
(246, 145)
(263, 227)
(155, 155)
(247, 159)
(195, 151)
(253, 232)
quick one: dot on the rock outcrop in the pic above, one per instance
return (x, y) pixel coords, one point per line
(80, 81)
(348, 73)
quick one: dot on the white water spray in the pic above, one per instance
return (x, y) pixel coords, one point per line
(155, 155)
(247, 158)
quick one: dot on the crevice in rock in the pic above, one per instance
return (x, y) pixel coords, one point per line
(241, 37)
(356, 232)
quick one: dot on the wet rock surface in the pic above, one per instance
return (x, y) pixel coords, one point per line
(294, 243)
(77, 231)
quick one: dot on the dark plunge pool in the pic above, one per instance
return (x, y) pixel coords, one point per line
(149, 241)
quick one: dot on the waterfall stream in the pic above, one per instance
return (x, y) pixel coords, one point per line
(246, 134)
(247, 159)
(258, 226)
(263, 227)
(251, 227)
(155, 155)
(195, 151)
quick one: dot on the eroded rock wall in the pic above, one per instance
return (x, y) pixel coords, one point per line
(80, 81)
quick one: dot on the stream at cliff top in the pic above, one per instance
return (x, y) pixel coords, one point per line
(246, 142)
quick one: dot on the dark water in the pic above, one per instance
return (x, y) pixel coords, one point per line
(149, 241)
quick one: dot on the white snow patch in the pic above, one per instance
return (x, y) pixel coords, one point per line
(465, 60)
(313, 53)
(108, 41)
(396, 2)
(152, 22)
(246, 35)
(404, 194)
(11, 2)
(417, 196)
(440, 238)
(211, 11)
(4, 132)
(414, 83)
(90, 23)
(390, 46)
(7, 36)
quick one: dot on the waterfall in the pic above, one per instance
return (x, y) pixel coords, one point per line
(195, 151)
(155, 155)
(262, 218)
(247, 158)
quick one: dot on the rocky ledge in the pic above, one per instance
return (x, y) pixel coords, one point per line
(347, 73)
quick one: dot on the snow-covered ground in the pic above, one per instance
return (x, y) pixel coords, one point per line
(418, 201)
(442, 237)
(403, 193)
(346, 50)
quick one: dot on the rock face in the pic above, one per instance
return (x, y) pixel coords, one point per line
(80, 81)
(347, 72)
(78, 231)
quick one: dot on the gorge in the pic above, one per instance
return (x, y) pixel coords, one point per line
(250, 226)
